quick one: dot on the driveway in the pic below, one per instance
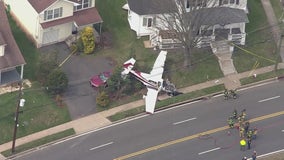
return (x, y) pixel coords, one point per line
(80, 97)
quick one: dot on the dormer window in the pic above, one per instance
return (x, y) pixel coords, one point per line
(53, 13)
(84, 4)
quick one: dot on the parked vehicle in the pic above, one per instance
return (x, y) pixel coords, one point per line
(100, 79)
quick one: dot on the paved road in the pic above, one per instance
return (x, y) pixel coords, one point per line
(181, 126)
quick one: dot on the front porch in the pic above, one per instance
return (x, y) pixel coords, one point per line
(167, 39)
(9, 77)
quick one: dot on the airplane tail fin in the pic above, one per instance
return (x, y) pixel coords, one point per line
(128, 65)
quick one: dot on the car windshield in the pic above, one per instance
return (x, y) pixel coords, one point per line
(103, 77)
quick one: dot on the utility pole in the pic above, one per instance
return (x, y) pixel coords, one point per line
(20, 104)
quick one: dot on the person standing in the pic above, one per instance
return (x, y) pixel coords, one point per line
(231, 122)
(241, 132)
(249, 143)
(254, 133)
(246, 127)
(253, 157)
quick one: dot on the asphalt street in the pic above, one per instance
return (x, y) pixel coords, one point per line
(176, 133)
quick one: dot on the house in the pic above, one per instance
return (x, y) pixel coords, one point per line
(226, 19)
(10, 54)
(51, 21)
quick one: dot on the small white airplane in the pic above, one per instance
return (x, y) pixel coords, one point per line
(152, 81)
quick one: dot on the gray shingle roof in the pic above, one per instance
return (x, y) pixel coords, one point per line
(219, 15)
(12, 56)
(146, 7)
(210, 16)
(2, 41)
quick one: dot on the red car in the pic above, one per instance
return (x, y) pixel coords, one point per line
(100, 79)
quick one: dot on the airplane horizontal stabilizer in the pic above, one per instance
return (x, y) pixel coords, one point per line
(128, 65)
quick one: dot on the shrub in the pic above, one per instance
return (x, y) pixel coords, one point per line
(88, 39)
(103, 99)
(57, 82)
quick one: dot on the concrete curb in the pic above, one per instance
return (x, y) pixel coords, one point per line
(39, 147)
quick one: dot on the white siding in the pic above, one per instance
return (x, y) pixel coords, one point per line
(63, 31)
(136, 24)
(67, 10)
(26, 14)
(2, 49)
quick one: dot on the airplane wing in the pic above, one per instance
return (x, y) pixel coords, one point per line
(158, 68)
(151, 99)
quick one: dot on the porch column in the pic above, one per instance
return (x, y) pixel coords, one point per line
(100, 32)
(101, 28)
(22, 71)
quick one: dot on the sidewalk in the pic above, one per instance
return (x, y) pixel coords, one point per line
(100, 120)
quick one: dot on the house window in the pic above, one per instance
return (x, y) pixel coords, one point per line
(232, 1)
(195, 3)
(237, 1)
(84, 4)
(50, 14)
(58, 12)
(147, 22)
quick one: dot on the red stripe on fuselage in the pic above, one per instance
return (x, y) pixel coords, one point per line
(138, 76)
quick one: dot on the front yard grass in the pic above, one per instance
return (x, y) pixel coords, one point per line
(263, 76)
(40, 112)
(29, 51)
(259, 41)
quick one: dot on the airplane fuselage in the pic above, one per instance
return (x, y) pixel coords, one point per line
(147, 82)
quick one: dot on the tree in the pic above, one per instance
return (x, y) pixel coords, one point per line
(183, 20)
(103, 99)
(57, 82)
(88, 39)
(46, 64)
(118, 87)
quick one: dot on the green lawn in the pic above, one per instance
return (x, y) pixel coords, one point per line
(259, 41)
(277, 7)
(40, 112)
(261, 77)
(30, 53)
